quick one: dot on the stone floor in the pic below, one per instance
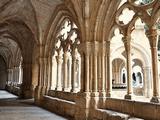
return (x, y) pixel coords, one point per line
(11, 108)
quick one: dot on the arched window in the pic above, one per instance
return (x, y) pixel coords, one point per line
(66, 60)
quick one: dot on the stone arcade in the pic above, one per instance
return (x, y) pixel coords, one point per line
(83, 59)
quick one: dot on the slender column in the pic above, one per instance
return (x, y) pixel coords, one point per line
(87, 72)
(74, 78)
(59, 71)
(45, 77)
(147, 81)
(103, 73)
(49, 67)
(54, 73)
(69, 74)
(95, 73)
(153, 40)
(127, 45)
(20, 74)
(79, 73)
(17, 75)
(14, 76)
(102, 81)
(9, 75)
(65, 87)
(109, 71)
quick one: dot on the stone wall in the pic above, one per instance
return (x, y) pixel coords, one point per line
(147, 111)
(60, 106)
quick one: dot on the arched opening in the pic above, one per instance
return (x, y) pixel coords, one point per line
(3, 73)
(66, 59)
(118, 73)
(138, 78)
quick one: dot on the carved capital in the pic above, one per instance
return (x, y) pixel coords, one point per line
(108, 47)
(152, 36)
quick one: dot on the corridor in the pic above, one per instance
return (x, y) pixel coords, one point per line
(12, 108)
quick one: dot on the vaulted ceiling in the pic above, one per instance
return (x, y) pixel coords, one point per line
(22, 24)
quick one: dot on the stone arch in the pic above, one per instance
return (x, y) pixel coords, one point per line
(54, 25)
(19, 32)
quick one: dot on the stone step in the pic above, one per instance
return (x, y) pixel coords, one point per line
(114, 115)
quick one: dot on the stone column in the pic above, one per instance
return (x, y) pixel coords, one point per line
(38, 94)
(65, 79)
(147, 81)
(108, 71)
(87, 72)
(153, 40)
(127, 45)
(103, 75)
(17, 75)
(8, 79)
(95, 83)
(26, 87)
(44, 79)
(48, 73)
(11, 77)
(69, 84)
(74, 78)
(20, 74)
(59, 71)
(54, 73)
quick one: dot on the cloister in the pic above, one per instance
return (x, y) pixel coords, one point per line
(83, 59)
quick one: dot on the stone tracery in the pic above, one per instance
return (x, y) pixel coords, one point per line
(67, 58)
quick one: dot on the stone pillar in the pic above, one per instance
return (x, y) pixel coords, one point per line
(9, 75)
(147, 81)
(108, 71)
(153, 40)
(26, 87)
(17, 76)
(127, 45)
(69, 84)
(38, 94)
(65, 79)
(87, 72)
(102, 82)
(74, 78)
(78, 67)
(45, 77)
(54, 73)
(95, 83)
(103, 75)
(59, 71)
(83, 97)
(14, 76)
(20, 74)
(48, 74)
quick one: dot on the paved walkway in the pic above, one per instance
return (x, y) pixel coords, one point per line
(15, 109)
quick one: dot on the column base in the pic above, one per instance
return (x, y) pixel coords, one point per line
(66, 89)
(59, 89)
(26, 94)
(102, 94)
(43, 90)
(128, 96)
(75, 90)
(108, 94)
(154, 99)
